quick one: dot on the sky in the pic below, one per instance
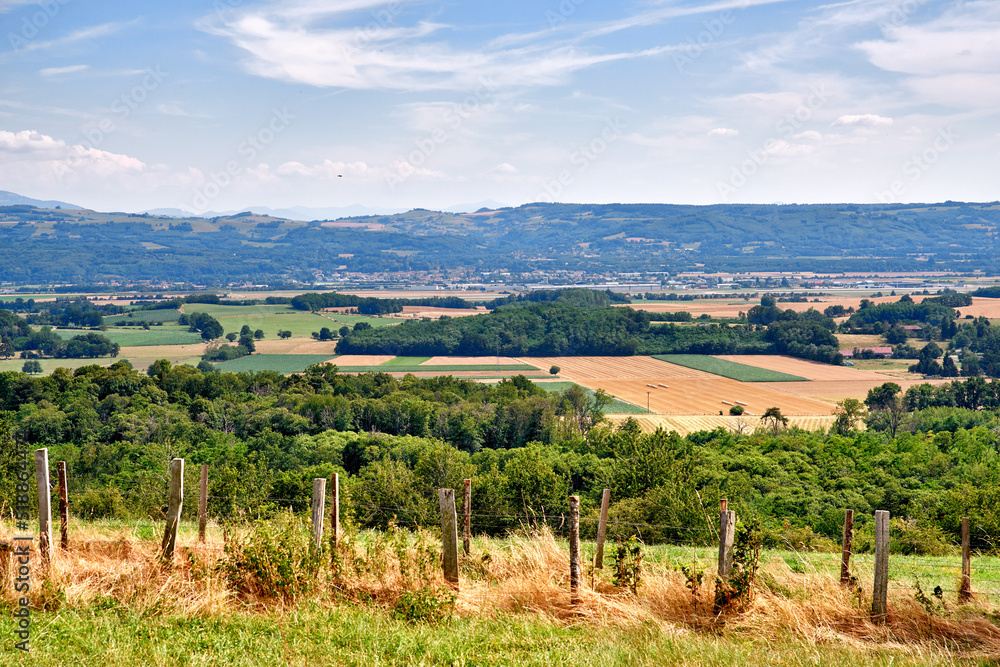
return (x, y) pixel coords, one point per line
(225, 104)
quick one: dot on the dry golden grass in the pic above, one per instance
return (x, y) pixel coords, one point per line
(521, 575)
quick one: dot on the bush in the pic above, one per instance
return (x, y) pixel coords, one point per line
(100, 504)
(736, 410)
(426, 604)
(276, 559)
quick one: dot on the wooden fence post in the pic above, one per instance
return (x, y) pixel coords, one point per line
(881, 590)
(44, 504)
(602, 530)
(965, 593)
(467, 516)
(318, 511)
(449, 536)
(173, 508)
(727, 527)
(203, 503)
(574, 549)
(63, 507)
(335, 512)
(845, 551)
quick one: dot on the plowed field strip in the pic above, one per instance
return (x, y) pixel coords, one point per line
(624, 368)
(691, 396)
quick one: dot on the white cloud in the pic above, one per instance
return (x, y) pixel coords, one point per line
(723, 132)
(55, 71)
(864, 120)
(316, 44)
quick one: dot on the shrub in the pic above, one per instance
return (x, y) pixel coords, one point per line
(426, 604)
(736, 410)
(276, 559)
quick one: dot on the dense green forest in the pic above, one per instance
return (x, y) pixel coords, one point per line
(80, 246)
(395, 441)
(579, 322)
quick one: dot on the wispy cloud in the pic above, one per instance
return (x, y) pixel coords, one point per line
(56, 71)
(297, 43)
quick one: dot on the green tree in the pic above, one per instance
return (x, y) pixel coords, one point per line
(849, 412)
(258, 334)
(774, 420)
(32, 366)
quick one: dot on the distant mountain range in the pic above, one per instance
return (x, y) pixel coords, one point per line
(303, 213)
(308, 213)
(13, 199)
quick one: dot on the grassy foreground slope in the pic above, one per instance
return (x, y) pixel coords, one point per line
(350, 636)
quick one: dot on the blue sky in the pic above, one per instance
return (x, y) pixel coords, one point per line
(223, 104)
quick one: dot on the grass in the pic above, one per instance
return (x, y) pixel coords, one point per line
(271, 318)
(136, 337)
(282, 363)
(161, 315)
(406, 361)
(118, 605)
(728, 369)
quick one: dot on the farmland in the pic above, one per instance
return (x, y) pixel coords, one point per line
(728, 368)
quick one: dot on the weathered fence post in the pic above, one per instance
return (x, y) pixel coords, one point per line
(727, 527)
(335, 512)
(845, 551)
(318, 511)
(574, 549)
(5, 557)
(63, 507)
(965, 593)
(203, 503)
(173, 508)
(449, 535)
(44, 504)
(467, 516)
(881, 590)
(602, 529)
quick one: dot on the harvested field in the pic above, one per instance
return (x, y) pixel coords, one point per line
(295, 346)
(811, 370)
(427, 311)
(623, 368)
(851, 341)
(363, 359)
(707, 396)
(686, 424)
(837, 390)
(982, 307)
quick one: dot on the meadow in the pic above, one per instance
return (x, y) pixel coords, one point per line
(110, 600)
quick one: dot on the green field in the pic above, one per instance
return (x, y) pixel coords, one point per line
(163, 315)
(49, 365)
(283, 363)
(406, 361)
(135, 337)
(271, 318)
(728, 369)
